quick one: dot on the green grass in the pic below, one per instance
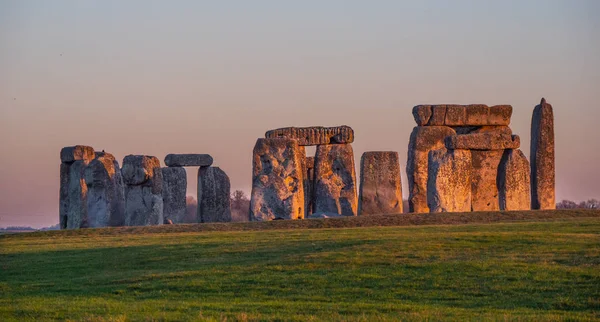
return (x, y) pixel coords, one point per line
(529, 270)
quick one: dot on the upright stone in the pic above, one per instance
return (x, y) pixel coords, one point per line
(73, 190)
(142, 176)
(513, 181)
(449, 182)
(174, 194)
(422, 140)
(380, 184)
(542, 157)
(277, 180)
(335, 180)
(309, 180)
(105, 199)
(484, 188)
(214, 191)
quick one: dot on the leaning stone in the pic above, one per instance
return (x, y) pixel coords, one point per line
(71, 154)
(188, 160)
(542, 157)
(214, 191)
(422, 113)
(484, 188)
(422, 140)
(483, 141)
(380, 184)
(335, 180)
(174, 194)
(513, 181)
(142, 176)
(449, 182)
(315, 135)
(277, 180)
(105, 198)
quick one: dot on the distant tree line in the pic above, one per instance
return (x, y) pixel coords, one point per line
(568, 204)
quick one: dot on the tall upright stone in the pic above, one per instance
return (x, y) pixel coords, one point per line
(484, 188)
(277, 180)
(335, 180)
(380, 184)
(142, 176)
(73, 190)
(214, 191)
(422, 140)
(309, 180)
(542, 157)
(174, 193)
(513, 181)
(105, 198)
(449, 182)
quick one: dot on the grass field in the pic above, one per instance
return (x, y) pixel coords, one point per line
(545, 267)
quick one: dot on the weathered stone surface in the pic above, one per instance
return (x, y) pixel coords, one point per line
(142, 176)
(483, 141)
(188, 160)
(309, 191)
(542, 157)
(500, 115)
(449, 182)
(277, 180)
(174, 193)
(513, 181)
(63, 199)
(315, 135)
(422, 114)
(105, 197)
(73, 195)
(484, 188)
(214, 191)
(492, 129)
(71, 154)
(380, 189)
(422, 140)
(477, 115)
(305, 179)
(335, 180)
(310, 162)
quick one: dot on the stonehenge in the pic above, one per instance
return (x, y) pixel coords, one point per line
(105, 198)
(542, 157)
(73, 190)
(380, 188)
(142, 176)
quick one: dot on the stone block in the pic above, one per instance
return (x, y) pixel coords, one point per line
(174, 194)
(449, 182)
(484, 188)
(543, 195)
(105, 197)
(483, 141)
(315, 135)
(71, 154)
(335, 180)
(513, 181)
(188, 160)
(214, 192)
(380, 184)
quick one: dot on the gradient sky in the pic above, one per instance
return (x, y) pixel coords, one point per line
(159, 77)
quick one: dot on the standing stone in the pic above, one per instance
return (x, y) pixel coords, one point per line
(214, 191)
(309, 179)
(277, 180)
(513, 181)
(174, 194)
(73, 190)
(484, 188)
(105, 198)
(305, 180)
(449, 182)
(422, 140)
(142, 176)
(380, 184)
(335, 180)
(542, 157)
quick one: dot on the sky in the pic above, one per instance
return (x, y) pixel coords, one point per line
(159, 77)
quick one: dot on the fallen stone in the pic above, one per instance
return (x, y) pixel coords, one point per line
(71, 154)
(214, 191)
(449, 182)
(315, 135)
(513, 181)
(105, 196)
(277, 180)
(422, 140)
(174, 193)
(542, 157)
(483, 141)
(188, 160)
(335, 180)
(142, 176)
(484, 188)
(380, 184)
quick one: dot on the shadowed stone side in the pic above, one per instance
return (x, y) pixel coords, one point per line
(422, 140)
(380, 184)
(542, 157)
(513, 181)
(188, 160)
(309, 194)
(174, 194)
(106, 194)
(335, 180)
(214, 191)
(142, 176)
(449, 182)
(73, 190)
(484, 188)
(315, 135)
(483, 141)
(277, 180)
